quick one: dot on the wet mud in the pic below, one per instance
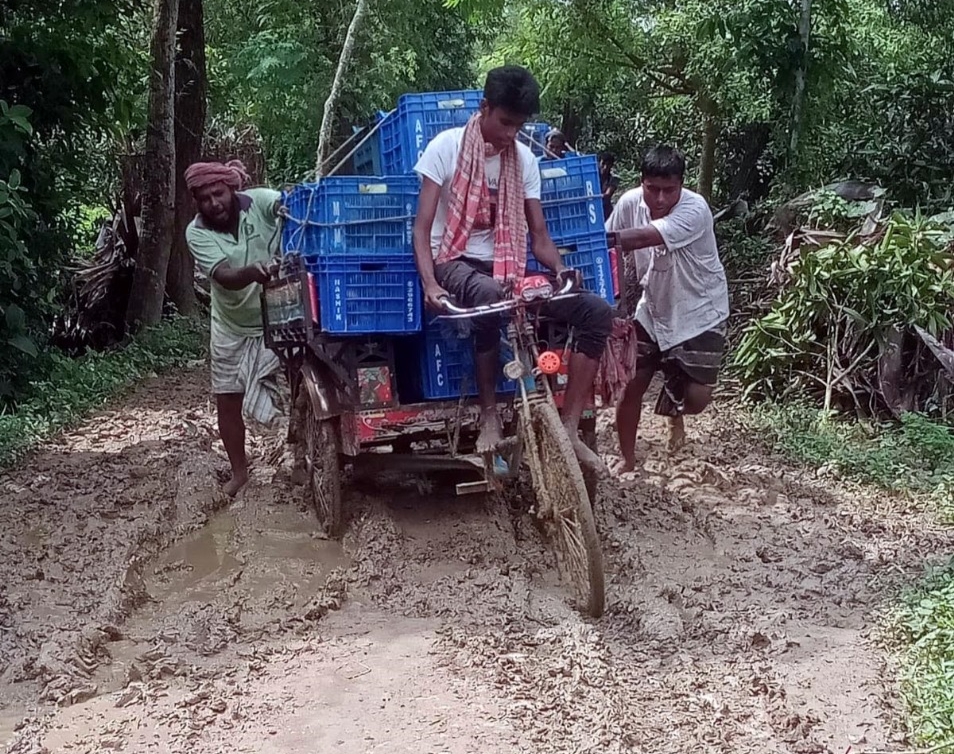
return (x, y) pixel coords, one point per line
(141, 611)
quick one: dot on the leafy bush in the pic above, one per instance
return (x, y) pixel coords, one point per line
(830, 324)
(915, 454)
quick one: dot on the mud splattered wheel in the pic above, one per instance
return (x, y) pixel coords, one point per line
(590, 477)
(564, 507)
(322, 466)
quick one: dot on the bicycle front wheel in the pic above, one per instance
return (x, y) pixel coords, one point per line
(564, 506)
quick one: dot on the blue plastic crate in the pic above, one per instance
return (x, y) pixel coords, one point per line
(367, 158)
(570, 195)
(352, 215)
(588, 253)
(372, 296)
(447, 364)
(534, 135)
(418, 119)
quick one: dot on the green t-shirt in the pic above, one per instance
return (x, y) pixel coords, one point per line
(238, 311)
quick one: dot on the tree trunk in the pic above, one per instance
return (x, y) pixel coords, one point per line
(328, 119)
(191, 87)
(158, 205)
(571, 124)
(801, 79)
(710, 135)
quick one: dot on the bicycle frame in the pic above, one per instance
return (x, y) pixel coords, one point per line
(523, 367)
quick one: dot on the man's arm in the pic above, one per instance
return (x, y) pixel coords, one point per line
(644, 237)
(215, 264)
(423, 256)
(235, 279)
(543, 247)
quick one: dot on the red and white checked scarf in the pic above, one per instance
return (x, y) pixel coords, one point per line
(469, 207)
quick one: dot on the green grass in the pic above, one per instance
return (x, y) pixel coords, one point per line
(74, 387)
(913, 455)
(923, 625)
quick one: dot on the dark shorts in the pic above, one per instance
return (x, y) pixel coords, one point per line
(471, 283)
(698, 358)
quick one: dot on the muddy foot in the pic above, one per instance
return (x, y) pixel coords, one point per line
(491, 432)
(677, 434)
(619, 466)
(235, 484)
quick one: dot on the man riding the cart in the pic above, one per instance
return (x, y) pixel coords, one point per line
(480, 197)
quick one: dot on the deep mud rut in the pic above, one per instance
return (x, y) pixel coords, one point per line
(139, 611)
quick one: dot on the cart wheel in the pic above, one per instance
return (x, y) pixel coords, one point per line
(565, 506)
(322, 466)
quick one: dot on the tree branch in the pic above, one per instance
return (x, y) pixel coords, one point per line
(347, 52)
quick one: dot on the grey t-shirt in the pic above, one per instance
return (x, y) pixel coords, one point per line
(684, 287)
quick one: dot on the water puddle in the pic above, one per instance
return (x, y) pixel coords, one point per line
(250, 553)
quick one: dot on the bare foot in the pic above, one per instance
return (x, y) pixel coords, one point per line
(622, 466)
(491, 432)
(677, 434)
(235, 484)
(587, 458)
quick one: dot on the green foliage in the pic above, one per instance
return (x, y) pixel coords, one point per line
(272, 66)
(73, 387)
(914, 455)
(923, 629)
(841, 304)
(743, 254)
(70, 74)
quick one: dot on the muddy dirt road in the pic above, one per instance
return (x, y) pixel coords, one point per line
(140, 612)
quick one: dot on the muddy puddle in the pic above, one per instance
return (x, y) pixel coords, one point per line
(251, 553)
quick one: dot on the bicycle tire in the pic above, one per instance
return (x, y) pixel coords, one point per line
(564, 507)
(322, 466)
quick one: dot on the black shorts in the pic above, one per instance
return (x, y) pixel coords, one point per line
(471, 283)
(698, 358)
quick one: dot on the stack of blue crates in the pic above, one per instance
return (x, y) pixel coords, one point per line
(354, 234)
(418, 119)
(534, 135)
(573, 208)
(447, 363)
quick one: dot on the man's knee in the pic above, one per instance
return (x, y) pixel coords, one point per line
(594, 327)
(483, 290)
(697, 397)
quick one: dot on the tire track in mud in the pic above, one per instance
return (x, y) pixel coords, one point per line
(741, 599)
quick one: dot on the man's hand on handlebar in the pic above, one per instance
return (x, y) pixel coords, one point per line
(569, 274)
(432, 297)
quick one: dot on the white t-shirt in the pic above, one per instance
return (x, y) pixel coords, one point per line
(439, 162)
(684, 286)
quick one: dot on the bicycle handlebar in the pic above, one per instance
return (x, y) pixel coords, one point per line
(460, 312)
